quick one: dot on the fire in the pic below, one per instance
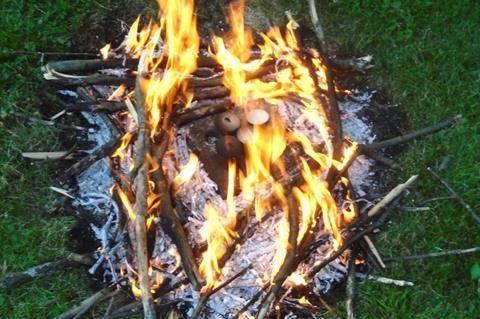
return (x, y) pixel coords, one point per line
(218, 236)
(126, 202)
(118, 93)
(167, 53)
(187, 171)
(120, 152)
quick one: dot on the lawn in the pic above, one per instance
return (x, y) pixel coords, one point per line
(426, 56)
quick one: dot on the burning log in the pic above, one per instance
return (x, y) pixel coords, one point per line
(43, 270)
(202, 109)
(172, 226)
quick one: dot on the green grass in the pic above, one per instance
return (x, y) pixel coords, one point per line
(29, 233)
(426, 55)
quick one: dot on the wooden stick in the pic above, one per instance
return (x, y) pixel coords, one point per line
(96, 106)
(43, 270)
(289, 262)
(202, 109)
(210, 92)
(58, 53)
(134, 308)
(414, 135)
(49, 123)
(456, 195)
(384, 280)
(204, 299)
(454, 252)
(141, 194)
(394, 193)
(360, 65)
(101, 152)
(351, 287)
(376, 156)
(86, 65)
(171, 224)
(316, 25)
(79, 310)
(374, 251)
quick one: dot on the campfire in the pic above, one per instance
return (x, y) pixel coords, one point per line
(226, 176)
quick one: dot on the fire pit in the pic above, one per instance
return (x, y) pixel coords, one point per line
(226, 179)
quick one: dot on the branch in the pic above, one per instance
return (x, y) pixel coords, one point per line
(87, 304)
(384, 280)
(204, 299)
(456, 195)
(16, 279)
(141, 194)
(414, 135)
(350, 301)
(455, 252)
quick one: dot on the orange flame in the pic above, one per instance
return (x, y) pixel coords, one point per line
(125, 142)
(187, 171)
(126, 202)
(218, 236)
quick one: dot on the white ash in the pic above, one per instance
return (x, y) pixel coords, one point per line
(355, 126)
(359, 129)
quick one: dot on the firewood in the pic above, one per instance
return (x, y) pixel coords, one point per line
(379, 158)
(289, 263)
(456, 195)
(79, 310)
(454, 252)
(141, 194)
(351, 286)
(96, 106)
(360, 65)
(68, 66)
(135, 308)
(49, 123)
(374, 251)
(202, 109)
(414, 135)
(384, 280)
(209, 92)
(101, 152)
(172, 226)
(45, 156)
(16, 279)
